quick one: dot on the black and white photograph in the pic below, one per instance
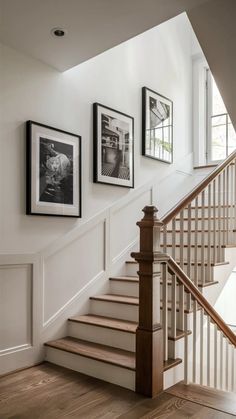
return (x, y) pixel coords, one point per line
(113, 147)
(53, 171)
(157, 126)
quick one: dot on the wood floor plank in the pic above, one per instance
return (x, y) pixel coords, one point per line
(51, 392)
(216, 399)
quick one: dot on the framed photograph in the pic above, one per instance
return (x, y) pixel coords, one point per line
(113, 147)
(157, 126)
(53, 181)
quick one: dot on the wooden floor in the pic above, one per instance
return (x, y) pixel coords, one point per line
(48, 391)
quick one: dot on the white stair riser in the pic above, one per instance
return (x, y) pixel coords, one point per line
(102, 335)
(131, 269)
(124, 288)
(107, 372)
(173, 376)
(114, 310)
(176, 348)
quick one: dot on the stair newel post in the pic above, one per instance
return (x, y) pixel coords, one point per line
(149, 335)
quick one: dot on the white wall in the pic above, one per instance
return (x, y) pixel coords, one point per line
(159, 59)
(50, 266)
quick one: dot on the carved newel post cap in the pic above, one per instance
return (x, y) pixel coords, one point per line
(150, 212)
(150, 217)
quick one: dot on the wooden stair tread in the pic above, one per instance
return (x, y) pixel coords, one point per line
(169, 307)
(197, 231)
(199, 246)
(115, 298)
(107, 354)
(229, 246)
(102, 353)
(206, 207)
(118, 324)
(223, 401)
(107, 322)
(171, 363)
(125, 278)
(202, 218)
(206, 166)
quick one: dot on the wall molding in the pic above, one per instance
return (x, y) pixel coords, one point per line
(44, 329)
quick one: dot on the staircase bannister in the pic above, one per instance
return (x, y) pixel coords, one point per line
(187, 199)
(197, 229)
(157, 273)
(201, 300)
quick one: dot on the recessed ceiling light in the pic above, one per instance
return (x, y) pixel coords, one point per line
(58, 32)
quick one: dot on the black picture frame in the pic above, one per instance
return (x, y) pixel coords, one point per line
(113, 147)
(157, 126)
(53, 171)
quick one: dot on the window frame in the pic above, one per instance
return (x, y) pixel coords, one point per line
(209, 116)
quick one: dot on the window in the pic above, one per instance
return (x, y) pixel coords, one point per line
(221, 136)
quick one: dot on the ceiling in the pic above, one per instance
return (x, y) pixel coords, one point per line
(93, 25)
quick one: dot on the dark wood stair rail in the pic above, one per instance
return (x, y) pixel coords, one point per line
(205, 216)
(149, 334)
(187, 199)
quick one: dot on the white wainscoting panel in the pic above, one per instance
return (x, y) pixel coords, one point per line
(72, 267)
(123, 229)
(15, 307)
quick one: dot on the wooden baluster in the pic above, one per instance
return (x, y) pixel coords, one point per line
(223, 222)
(181, 307)
(214, 222)
(208, 350)
(194, 340)
(201, 345)
(215, 356)
(173, 237)
(165, 309)
(202, 238)
(164, 229)
(149, 334)
(227, 207)
(181, 239)
(221, 360)
(226, 365)
(196, 243)
(233, 372)
(232, 180)
(189, 261)
(173, 306)
(209, 224)
(186, 351)
(219, 218)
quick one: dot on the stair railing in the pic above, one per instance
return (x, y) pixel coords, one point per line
(197, 229)
(169, 304)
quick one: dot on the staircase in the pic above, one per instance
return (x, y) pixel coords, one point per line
(155, 329)
(102, 343)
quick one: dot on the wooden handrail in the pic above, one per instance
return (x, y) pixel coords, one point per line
(201, 300)
(197, 190)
